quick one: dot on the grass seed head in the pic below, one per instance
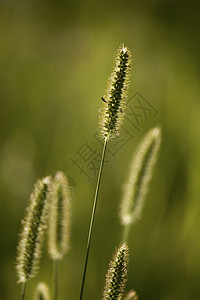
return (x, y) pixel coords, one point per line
(139, 177)
(59, 217)
(114, 100)
(117, 274)
(33, 228)
(41, 292)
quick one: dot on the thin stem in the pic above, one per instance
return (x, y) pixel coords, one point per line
(56, 266)
(23, 290)
(125, 233)
(93, 215)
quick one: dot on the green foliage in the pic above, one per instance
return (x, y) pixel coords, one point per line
(33, 228)
(117, 274)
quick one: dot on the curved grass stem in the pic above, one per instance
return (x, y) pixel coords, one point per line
(56, 266)
(93, 216)
(23, 290)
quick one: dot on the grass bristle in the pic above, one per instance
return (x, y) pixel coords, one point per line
(115, 96)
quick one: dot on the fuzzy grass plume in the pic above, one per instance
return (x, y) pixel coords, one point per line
(114, 99)
(31, 237)
(59, 215)
(117, 274)
(139, 177)
(41, 292)
(110, 121)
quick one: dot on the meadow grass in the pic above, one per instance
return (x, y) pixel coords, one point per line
(49, 205)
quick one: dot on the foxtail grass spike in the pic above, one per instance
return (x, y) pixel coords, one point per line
(115, 97)
(117, 274)
(131, 296)
(31, 237)
(41, 292)
(59, 217)
(139, 177)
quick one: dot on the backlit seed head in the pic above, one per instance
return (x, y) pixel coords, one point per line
(33, 228)
(117, 274)
(59, 216)
(139, 177)
(114, 100)
(41, 292)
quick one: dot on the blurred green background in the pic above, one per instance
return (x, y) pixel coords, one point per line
(55, 59)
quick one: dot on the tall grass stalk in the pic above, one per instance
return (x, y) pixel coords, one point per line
(23, 290)
(92, 217)
(139, 177)
(56, 279)
(110, 120)
(59, 222)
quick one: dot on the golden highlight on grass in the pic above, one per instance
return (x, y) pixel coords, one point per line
(139, 177)
(114, 99)
(131, 296)
(117, 274)
(59, 217)
(41, 292)
(33, 227)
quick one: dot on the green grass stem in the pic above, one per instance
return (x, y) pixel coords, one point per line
(55, 271)
(93, 216)
(125, 233)
(23, 290)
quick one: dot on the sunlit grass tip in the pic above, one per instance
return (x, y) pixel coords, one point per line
(59, 216)
(33, 228)
(131, 296)
(41, 292)
(115, 97)
(139, 177)
(117, 274)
